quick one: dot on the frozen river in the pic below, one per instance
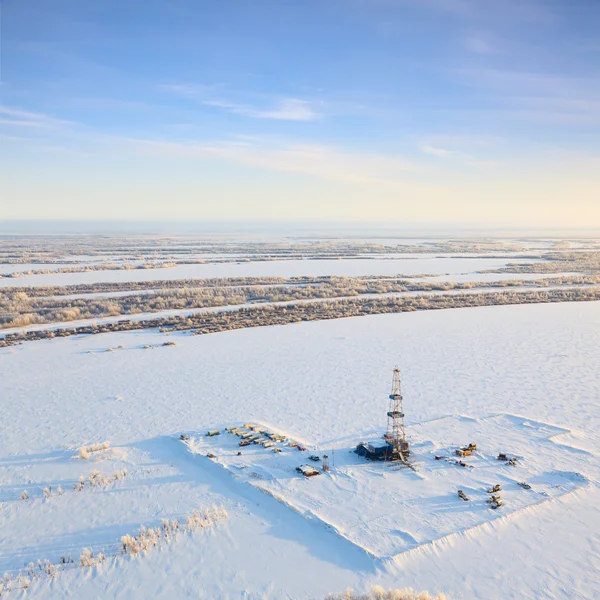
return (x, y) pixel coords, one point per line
(285, 268)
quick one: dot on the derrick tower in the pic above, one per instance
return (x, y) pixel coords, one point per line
(395, 435)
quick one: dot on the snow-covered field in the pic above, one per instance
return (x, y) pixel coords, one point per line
(535, 366)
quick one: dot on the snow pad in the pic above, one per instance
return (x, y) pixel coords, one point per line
(386, 509)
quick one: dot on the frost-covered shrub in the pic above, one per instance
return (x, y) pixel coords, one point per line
(44, 567)
(334, 307)
(85, 451)
(148, 537)
(98, 480)
(380, 593)
(87, 558)
(120, 474)
(54, 305)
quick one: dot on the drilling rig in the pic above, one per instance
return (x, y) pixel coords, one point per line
(395, 435)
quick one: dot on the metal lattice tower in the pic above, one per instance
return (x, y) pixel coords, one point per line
(395, 432)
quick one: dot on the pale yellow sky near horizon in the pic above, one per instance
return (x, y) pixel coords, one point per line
(323, 185)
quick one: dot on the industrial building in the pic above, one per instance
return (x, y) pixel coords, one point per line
(372, 452)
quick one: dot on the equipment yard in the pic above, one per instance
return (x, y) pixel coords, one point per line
(384, 507)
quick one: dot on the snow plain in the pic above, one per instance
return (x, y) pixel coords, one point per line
(319, 381)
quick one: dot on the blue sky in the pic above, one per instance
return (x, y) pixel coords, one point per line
(409, 110)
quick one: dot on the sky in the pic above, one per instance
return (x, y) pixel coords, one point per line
(482, 112)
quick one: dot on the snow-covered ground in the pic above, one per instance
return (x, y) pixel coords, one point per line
(325, 382)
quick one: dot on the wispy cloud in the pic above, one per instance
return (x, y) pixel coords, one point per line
(460, 156)
(479, 43)
(538, 96)
(324, 162)
(264, 106)
(507, 11)
(436, 151)
(191, 90)
(21, 118)
(459, 7)
(286, 109)
(510, 11)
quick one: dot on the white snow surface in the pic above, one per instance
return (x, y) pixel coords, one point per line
(283, 268)
(536, 366)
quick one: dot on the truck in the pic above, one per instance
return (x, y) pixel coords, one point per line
(307, 471)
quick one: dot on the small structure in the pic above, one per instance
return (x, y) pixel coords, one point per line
(467, 450)
(325, 463)
(371, 452)
(307, 470)
(213, 432)
(494, 489)
(496, 503)
(493, 498)
(463, 496)
(512, 461)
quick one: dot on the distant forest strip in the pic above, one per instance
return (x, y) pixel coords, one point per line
(24, 307)
(550, 262)
(222, 282)
(163, 284)
(40, 249)
(260, 316)
(87, 268)
(556, 262)
(170, 262)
